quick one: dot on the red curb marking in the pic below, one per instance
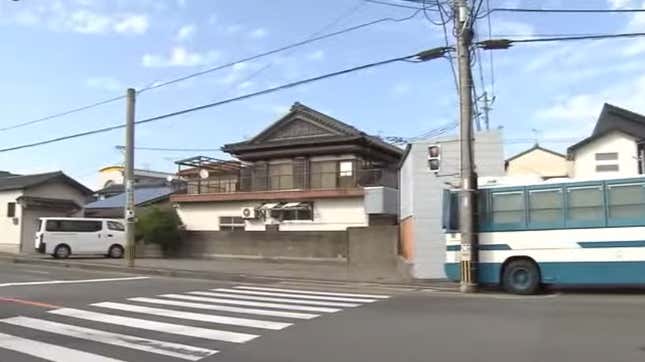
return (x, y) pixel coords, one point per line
(28, 302)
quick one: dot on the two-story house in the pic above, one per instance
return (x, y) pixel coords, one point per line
(305, 172)
(614, 149)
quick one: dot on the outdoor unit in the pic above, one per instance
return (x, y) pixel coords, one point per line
(249, 213)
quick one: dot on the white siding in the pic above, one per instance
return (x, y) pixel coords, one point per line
(329, 214)
(9, 230)
(585, 157)
(421, 194)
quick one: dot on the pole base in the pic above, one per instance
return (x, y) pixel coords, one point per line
(468, 288)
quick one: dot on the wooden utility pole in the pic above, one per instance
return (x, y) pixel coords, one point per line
(128, 179)
(468, 263)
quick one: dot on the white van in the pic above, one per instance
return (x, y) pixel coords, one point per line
(61, 237)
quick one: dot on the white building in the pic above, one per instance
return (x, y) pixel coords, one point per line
(25, 198)
(422, 238)
(614, 149)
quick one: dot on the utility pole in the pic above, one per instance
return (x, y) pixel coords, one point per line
(468, 264)
(128, 177)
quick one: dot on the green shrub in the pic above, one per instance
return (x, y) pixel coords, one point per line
(159, 226)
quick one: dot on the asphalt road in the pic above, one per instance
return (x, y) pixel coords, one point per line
(39, 316)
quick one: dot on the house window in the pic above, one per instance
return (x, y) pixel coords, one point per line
(281, 176)
(323, 175)
(346, 174)
(607, 156)
(11, 209)
(303, 211)
(607, 168)
(231, 223)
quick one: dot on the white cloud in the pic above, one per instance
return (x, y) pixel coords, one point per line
(212, 18)
(55, 16)
(105, 83)
(619, 4)
(280, 110)
(506, 27)
(317, 55)
(131, 24)
(233, 29)
(582, 108)
(179, 57)
(186, 32)
(244, 85)
(258, 33)
(401, 88)
(181, 3)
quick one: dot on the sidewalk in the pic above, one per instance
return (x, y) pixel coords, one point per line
(229, 269)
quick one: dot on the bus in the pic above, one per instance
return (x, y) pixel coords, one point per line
(563, 232)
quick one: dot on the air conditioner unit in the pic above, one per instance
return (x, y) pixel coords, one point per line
(249, 213)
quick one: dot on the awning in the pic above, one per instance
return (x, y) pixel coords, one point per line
(296, 206)
(269, 206)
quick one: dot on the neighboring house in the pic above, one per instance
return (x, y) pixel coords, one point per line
(614, 149)
(305, 172)
(144, 196)
(537, 161)
(111, 180)
(422, 241)
(25, 198)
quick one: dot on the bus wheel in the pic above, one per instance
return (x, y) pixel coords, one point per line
(62, 252)
(521, 276)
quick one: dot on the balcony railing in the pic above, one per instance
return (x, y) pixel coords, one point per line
(307, 181)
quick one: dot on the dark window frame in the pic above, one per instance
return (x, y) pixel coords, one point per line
(11, 209)
(232, 223)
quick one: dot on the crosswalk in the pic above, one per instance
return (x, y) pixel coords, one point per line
(167, 327)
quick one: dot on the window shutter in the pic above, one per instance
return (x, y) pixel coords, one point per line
(246, 178)
(300, 173)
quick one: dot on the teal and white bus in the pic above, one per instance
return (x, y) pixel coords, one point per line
(565, 232)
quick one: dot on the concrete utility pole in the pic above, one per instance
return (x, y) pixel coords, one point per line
(464, 34)
(128, 178)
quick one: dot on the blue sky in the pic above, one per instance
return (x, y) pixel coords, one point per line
(58, 55)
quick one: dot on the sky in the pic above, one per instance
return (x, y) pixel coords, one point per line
(60, 54)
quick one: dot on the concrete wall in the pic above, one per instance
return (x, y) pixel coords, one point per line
(10, 227)
(540, 163)
(373, 247)
(421, 197)
(265, 244)
(585, 157)
(329, 214)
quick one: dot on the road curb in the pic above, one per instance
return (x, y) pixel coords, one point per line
(206, 275)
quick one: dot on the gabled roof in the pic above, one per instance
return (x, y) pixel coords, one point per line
(7, 173)
(27, 181)
(320, 128)
(536, 147)
(142, 196)
(614, 119)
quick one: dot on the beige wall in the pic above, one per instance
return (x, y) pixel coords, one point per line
(10, 227)
(585, 157)
(329, 214)
(538, 163)
(58, 190)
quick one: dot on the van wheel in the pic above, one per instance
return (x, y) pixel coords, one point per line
(521, 276)
(115, 252)
(62, 252)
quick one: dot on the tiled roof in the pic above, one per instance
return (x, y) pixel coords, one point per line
(142, 196)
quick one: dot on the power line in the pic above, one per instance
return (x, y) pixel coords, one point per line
(581, 11)
(212, 69)
(278, 50)
(392, 4)
(490, 59)
(165, 149)
(419, 56)
(506, 43)
(447, 43)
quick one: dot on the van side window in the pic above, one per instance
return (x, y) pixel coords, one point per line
(73, 226)
(117, 226)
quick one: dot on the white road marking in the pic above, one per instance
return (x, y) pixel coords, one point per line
(171, 328)
(211, 318)
(290, 295)
(374, 296)
(223, 308)
(122, 340)
(50, 282)
(279, 300)
(49, 352)
(251, 303)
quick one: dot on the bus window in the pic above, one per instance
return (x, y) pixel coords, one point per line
(625, 203)
(585, 206)
(545, 208)
(508, 209)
